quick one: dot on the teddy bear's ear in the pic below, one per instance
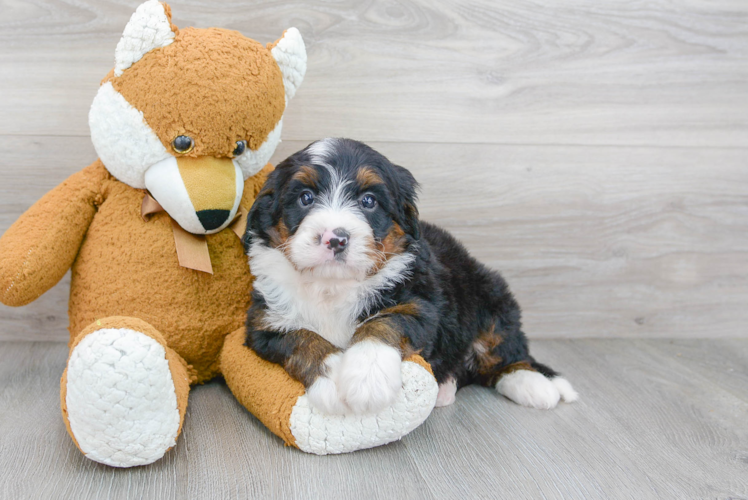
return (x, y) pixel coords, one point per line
(149, 28)
(290, 54)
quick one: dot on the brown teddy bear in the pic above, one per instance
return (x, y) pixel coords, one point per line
(184, 126)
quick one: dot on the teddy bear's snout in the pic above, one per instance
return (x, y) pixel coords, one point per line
(213, 219)
(201, 194)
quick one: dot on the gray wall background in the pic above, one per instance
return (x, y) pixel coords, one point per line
(595, 153)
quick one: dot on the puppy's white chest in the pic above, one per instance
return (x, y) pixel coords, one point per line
(330, 310)
(326, 308)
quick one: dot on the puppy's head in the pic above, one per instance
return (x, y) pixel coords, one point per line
(336, 209)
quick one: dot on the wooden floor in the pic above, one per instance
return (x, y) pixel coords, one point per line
(657, 419)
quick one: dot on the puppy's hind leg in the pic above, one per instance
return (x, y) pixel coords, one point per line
(446, 394)
(501, 360)
(565, 390)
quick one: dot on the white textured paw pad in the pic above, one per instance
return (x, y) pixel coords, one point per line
(529, 388)
(316, 432)
(121, 401)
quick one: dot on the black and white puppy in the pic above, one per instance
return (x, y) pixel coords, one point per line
(348, 281)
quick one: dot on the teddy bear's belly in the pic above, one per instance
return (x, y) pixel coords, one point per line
(128, 267)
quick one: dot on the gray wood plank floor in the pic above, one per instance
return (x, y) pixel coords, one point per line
(657, 419)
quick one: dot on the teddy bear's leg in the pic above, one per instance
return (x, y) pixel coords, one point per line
(280, 403)
(124, 392)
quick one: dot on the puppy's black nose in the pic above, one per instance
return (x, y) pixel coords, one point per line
(338, 243)
(212, 219)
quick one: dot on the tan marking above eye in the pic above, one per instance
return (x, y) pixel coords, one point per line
(307, 175)
(366, 177)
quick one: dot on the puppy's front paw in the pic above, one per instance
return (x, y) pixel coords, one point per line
(369, 378)
(323, 393)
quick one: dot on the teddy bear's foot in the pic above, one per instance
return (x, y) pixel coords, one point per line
(323, 434)
(281, 404)
(121, 393)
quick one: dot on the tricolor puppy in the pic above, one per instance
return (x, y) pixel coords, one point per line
(349, 281)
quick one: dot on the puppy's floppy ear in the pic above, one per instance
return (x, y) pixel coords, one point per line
(260, 217)
(408, 194)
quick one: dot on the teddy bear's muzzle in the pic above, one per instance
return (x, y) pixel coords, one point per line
(201, 194)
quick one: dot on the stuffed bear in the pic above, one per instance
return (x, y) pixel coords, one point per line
(184, 126)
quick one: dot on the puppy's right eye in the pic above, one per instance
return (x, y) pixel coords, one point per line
(306, 198)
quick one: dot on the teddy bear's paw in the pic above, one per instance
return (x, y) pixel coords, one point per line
(121, 399)
(320, 433)
(323, 393)
(369, 377)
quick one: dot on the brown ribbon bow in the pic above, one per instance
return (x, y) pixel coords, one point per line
(192, 249)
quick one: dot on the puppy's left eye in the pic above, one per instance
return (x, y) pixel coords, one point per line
(306, 198)
(368, 201)
(240, 147)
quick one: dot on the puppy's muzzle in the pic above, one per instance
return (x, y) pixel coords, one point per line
(336, 240)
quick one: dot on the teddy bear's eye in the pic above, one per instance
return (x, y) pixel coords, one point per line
(183, 144)
(240, 147)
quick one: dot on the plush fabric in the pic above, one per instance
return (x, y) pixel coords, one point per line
(125, 367)
(143, 328)
(279, 403)
(246, 71)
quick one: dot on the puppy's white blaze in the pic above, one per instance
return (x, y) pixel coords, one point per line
(529, 388)
(306, 250)
(336, 198)
(369, 378)
(567, 392)
(323, 393)
(321, 150)
(326, 304)
(446, 394)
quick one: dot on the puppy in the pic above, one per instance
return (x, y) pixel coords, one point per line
(348, 281)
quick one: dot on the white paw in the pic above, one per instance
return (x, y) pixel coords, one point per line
(369, 379)
(323, 393)
(529, 388)
(446, 394)
(567, 392)
(121, 401)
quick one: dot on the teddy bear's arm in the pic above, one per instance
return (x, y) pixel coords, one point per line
(39, 248)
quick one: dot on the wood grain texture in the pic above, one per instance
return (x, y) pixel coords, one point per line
(657, 419)
(594, 241)
(645, 73)
(594, 153)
